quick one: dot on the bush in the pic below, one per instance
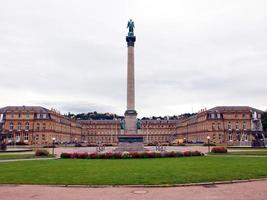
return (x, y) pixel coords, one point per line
(3, 147)
(135, 155)
(210, 144)
(49, 146)
(93, 156)
(179, 154)
(65, 155)
(126, 155)
(108, 155)
(116, 156)
(187, 153)
(78, 145)
(82, 155)
(21, 143)
(41, 152)
(181, 144)
(196, 153)
(219, 150)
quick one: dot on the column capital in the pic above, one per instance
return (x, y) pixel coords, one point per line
(130, 40)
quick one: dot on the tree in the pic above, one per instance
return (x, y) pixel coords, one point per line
(264, 120)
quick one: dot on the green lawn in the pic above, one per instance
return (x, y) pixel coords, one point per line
(133, 171)
(19, 156)
(260, 153)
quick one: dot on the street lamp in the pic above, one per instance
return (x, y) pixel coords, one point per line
(53, 139)
(208, 138)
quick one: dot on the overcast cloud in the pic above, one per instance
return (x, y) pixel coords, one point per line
(71, 55)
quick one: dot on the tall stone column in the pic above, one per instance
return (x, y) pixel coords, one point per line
(130, 113)
(130, 141)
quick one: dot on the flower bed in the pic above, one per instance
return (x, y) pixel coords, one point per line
(219, 150)
(127, 155)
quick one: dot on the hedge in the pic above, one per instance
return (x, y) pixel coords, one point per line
(124, 155)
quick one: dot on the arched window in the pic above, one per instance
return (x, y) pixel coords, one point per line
(11, 126)
(27, 127)
(19, 126)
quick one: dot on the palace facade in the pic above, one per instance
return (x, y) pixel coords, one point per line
(230, 125)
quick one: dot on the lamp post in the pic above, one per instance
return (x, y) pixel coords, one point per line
(53, 152)
(208, 137)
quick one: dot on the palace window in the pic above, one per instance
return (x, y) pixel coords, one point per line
(26, 136)
(246, 137)
(229, 125)
(19, 115)
(19, 126)
(237, 126)
(43, 137)
(244, 125)
(243, 115)
(44, 126)
(27, 115)
(218, 115)
(12, 115)
(230, 137)
(11, 126)
(213, 126)
(38, 126)
(219, 126)
(17, 137)
(27, 127)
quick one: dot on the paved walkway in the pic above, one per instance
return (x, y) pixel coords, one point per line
(238, 191)
(26, 159)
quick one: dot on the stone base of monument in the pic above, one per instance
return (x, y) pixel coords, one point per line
(130, 143)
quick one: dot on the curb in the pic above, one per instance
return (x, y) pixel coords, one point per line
(143, 186)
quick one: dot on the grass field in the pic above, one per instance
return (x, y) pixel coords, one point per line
(136, 171)
(256, 153)
(19, 156)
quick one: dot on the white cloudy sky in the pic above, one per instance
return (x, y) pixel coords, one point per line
(71, 55)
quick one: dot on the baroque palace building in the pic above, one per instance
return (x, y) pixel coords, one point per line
(232, 125)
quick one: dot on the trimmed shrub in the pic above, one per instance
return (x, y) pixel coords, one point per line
(93, 156)
(49, 146)
(187, 153)
(3, 147)
(219, 150)
(196, 153)
(210, 144)
(82, 155)
(41, 152)
(126, 155)
(108, 155)
(116, 156)
(181, 144)
(179, 154)
(21, 143)
(135, 155)
(170, 154)
(65, 155)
